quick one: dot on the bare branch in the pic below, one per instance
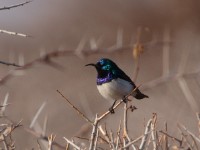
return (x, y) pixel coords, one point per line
(14, 33)
(190, 133)
(153, 126)
(118, 136)
(144, 139)
(40, 136)
(37, 114)
(198, 118)
(166, 51)
(72, 144)
(188, 94)
(94, 134)
(5, 103)
(51, 139)
(14, 6)
(76, 109)
(9, 64)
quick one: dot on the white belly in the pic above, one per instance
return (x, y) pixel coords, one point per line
(115, 89)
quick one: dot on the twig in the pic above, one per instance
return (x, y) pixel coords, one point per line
(166, 138)
(76, 109)
(14, 6)
(96, 139)
(144, 139)
(72, 144)
(9, 64)
(190, 133)
(94, 134)
(51, 139)
(82, 138)
(166, 50)
(37, 114)
(126, 137)
(4, 104)
(136, 140)
(198, 119)
(185, 137)
(137, 50)
(5, 143)
(13, 33)
(40, 136)
(187, 93)
(105, 134)
(118, 136)
(39, 146)
(45, 126)
(153, 124)
(174, 138)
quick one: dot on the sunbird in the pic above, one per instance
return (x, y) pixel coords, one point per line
(113, 83)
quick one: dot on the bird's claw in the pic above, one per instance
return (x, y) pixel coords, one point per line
(125, 100)
(111, 110)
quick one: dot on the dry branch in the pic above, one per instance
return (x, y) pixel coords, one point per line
(9, 64)
(76, 109)
(17, 34)
(94, 134)
(146, 133)
(40, 136)
(14, 6)
(72, 144)
(174, 138)
(51, 139)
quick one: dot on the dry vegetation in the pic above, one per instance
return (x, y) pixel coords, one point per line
(101, 137)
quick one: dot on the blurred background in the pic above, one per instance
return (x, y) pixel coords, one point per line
(169, 64)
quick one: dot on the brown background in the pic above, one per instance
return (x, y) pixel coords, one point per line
(61, 25)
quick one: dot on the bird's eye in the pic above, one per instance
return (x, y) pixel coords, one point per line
(101, 62)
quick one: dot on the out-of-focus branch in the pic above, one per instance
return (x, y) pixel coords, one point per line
(180, 126)
(14, 33)
(198, 119)
(47, 59)
(42, 137)
(9, 64)
(166, 51)
(14, 6)
(137, 51)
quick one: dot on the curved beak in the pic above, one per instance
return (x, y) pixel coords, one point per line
(91, 65)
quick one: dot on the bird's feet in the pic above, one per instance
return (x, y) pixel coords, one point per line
(111, 110)
(125, 100)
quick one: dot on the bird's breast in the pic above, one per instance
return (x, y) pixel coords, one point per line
(115, 89)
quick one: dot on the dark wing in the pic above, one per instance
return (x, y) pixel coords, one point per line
(120, 74)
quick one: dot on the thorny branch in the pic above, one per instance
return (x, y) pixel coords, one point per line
(76, 109)
(14, 6)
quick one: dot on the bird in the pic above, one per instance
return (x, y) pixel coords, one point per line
(113, 83)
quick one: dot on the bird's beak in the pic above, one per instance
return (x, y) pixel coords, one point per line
(91, 65)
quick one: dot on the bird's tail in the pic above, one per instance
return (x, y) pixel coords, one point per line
(140, 95)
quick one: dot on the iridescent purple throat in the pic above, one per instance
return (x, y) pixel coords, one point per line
(106, 79)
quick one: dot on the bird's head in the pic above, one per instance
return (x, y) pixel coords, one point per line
(104, 66)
